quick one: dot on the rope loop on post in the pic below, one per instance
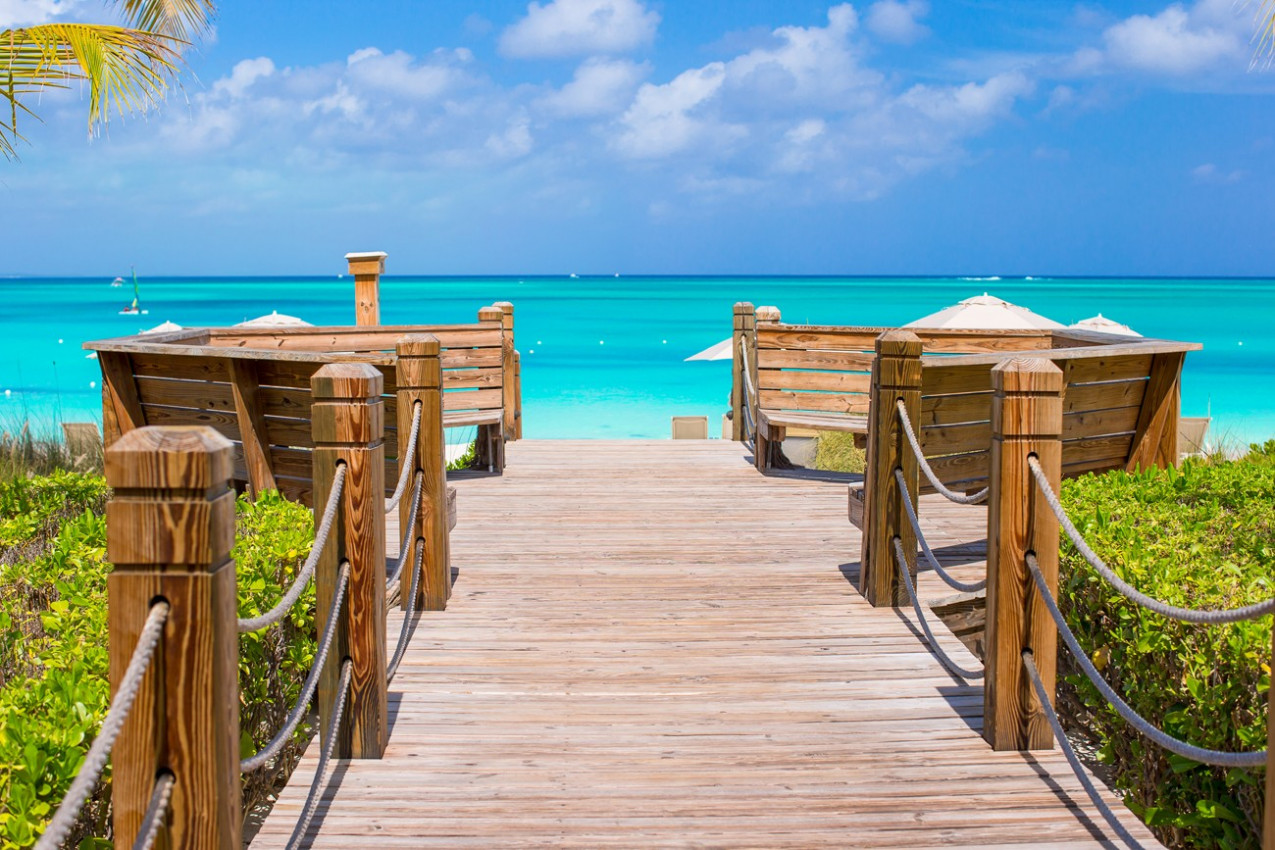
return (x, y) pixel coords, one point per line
(951, 495)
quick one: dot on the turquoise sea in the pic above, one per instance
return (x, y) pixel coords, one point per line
(603, 356)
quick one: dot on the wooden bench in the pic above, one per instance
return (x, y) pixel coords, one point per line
(253, 387)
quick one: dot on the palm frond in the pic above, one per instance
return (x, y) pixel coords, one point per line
(183, 19)
(125, 70)
(1265, 36)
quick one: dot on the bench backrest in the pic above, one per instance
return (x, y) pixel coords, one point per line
(255, 385)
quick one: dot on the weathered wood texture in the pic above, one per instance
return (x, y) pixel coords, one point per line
(650, 645)
(170, 526)
(348, 429)
(896, 376)
(253, 387)
(743, 327)
(1026, 414)
(367, 269)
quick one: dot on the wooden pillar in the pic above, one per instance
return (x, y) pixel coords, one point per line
(348, 427)
(1155, 438)
(170, 526)
(367, 269)
(121, 404)
(766, 439)
(896, 374)
(419, 377)
(744, 325)
(1026, 421)
(508, 368)
(490, 450)
(517, 395)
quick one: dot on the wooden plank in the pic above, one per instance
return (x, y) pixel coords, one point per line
(830, 402)
(934, 340)
(1106, 368)
(1120, 420)
(360, 341)
(473, 400)
(1079, 397)
(976, 436)
(941, 378)
(1155, 443)
(956, 409)
(253, 433)
(121, 409)
(279, 431)
(468, 379)
(839, 361)
(818, 421)
(845, 382)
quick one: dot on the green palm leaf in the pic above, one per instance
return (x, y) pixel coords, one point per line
(183, 19)
(1265, 37)
(123, 69)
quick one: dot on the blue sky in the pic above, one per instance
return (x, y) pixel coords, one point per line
(713, 136)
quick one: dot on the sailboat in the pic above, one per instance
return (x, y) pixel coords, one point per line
(119, 281)
(135, 308)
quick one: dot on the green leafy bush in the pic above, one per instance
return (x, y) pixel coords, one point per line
(1201, 536)
(53, 643)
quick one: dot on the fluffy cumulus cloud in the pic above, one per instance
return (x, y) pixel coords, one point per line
(898, 22)
(26, 13)
(1178, 41)
(580, 28)
(600, 86)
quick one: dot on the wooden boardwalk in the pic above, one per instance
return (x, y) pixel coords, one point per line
(651, 645)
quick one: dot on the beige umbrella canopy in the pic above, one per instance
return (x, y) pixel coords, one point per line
(723, 350)
(1104, 325)
(164, 328)
(985, 312)
(275, 320)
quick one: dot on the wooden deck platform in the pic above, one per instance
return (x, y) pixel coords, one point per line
(651, 645)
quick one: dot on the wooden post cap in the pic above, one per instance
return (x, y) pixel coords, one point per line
(417, 345)
(491, 314)
(1027, 375)
(899, 342)
(768, 314)
(505, 306)
(744, 307)
(173, 458)
(1032, 390)
(347, 381)
(368, 262)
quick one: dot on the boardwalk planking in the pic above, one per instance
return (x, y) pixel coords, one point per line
(651, 645)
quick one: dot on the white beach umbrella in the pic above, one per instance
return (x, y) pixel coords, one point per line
(164, 328)
(275, 320)
(723, 350)
(1104, 325)
(985, 312)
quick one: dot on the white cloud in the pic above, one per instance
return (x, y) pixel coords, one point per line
(1209, 173)
(661, 120)
(600, 87)
(398, 73)
(243, 75)
(580, 28)
(1178, 41)
(26, 13)
(898, 21)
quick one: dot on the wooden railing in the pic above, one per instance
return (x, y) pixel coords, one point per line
(170, 528)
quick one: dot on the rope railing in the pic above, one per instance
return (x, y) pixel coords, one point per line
(272, 748)
(1187, 615)
(956, 584)
(951, 495)
(1029, 662)
(409, 530)
(1218, 758)
(901, 560)
(285, 604)
(409, 614)
(750, 391)
(86, 780)
(408, 463)
(156, 812)
(320, 771)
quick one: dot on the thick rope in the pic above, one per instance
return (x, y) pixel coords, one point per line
(405, 547)
(959, 498)
(86, 780)
(750, 391)
(156, 812)
(281, 609)
(329, 743)
(271, 749)
(406, 464)
(942, 656)
(1218, 758)
(1072, 759)
(1186, 615)
(405, 635)
(925, 546)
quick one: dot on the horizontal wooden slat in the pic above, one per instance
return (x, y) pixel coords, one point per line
(953, 439)
(465, 358)
(359, 340)
(460, 379)
(831, 402)
(1123, 368)
(938, 378)
(1081, 397)
(472, 400)
(468, 418)
(954, 409)
(782, 358)
(953, 340)
(1095, 423)
(848, 382)
(976, 436)
(280, 431)
(815, 421)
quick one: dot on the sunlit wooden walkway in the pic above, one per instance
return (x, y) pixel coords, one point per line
(652, 645)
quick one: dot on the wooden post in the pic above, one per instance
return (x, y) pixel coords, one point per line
(766, 438)
(509, 380)
(1155, 438)
(745, 323)
(367, 269)
(348, 427)
(896, 374)
(170, 526)
(253, 433)
(1026, 421)
(491, 443)
(419, 378)
(121, 404)
(1268, 821)
(517, 395)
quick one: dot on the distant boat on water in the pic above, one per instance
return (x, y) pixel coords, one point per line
(119, 281)
(135, 308)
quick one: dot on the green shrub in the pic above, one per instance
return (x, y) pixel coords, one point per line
(1201, 536)
(836, 452)
(53, 643)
